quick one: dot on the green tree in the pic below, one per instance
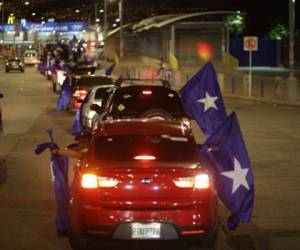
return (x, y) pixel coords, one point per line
(236, 23)
(278, 31)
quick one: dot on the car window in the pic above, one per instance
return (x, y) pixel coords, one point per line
(163, 148)
(93, 81)
(136, 101)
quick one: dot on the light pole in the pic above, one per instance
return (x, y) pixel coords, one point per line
(3, 30)
(121, 29)
(292, 80)
(105, 29)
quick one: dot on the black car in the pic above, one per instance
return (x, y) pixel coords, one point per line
(14, 64)
(1, 95)
(142, 99)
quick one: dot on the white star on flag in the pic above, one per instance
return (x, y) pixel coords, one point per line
(238, 176)
(209, 101)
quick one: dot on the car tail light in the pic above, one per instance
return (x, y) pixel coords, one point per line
(89, 181)
(92, 181)
(199, 182)
(144, 158)
(147, 92)
(186, 122)
(107, 182)
(80, 93)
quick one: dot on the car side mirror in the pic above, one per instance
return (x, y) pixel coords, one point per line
(1, 95)
(96, 108)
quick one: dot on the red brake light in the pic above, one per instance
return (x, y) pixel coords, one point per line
(147, 92)
(80, 93)
(144, 158)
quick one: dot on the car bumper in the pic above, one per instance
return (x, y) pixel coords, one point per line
(193, 224)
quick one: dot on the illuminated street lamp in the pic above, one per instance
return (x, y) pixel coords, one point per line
(77, 11)
(33, 14)
(27, 3)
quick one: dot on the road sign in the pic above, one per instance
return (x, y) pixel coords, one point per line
(250, 43)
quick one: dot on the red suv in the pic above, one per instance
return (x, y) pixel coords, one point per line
(142, 180)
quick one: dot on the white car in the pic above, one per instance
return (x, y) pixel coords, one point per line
(31, 57)
(97, 95)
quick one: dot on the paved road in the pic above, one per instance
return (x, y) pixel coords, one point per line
(27, 208)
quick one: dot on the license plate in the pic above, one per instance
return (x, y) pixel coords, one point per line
(145, 230)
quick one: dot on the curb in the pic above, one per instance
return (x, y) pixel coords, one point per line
(270, 101)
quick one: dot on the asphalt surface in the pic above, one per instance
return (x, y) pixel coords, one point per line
(27, 206)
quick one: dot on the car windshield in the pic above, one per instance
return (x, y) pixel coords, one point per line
(162, 148)
(83, 70)
(93, 81)
(30, 54)
(136, 101)
(14, 60)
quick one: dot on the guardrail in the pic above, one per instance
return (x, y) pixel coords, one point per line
(230, 60)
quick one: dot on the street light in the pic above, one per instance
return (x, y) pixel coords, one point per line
(27, 3)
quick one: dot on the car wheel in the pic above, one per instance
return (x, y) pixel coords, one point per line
(76, 242)
(207, 244)
(1, 126)
(158, 114)
(53, 87)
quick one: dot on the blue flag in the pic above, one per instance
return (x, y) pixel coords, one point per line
(226, 152)
(202, 100)
(77, 127)
(59, 168)
(110, 69)
(64, 98)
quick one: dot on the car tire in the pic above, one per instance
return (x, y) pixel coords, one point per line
(53, 87)
(76, 242)
(207, 244)
(157, 113)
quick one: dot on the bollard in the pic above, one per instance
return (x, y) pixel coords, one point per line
(262, 85)
(233, 86)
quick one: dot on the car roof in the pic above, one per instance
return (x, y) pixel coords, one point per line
(142, 127)
(145, 87)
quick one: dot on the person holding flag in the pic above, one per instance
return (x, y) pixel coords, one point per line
(59, 170)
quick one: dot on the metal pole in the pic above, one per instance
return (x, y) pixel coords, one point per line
(95, 21)
(292, 83)
(291, 37)
(3, 34)
(105, 28)
(250, 73)
(121, 29)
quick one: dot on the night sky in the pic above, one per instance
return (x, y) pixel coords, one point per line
(261, 14)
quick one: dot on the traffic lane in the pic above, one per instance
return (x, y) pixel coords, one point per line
(271, 133)
(27, 209)
(25, 168)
